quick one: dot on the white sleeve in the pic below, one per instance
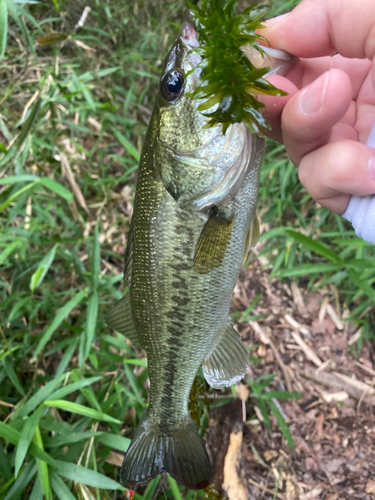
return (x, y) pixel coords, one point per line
(361, 209)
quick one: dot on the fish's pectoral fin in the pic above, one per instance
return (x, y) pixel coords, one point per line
(229, 361)
(120, 319)
(252, 238)
(178, 450)
(213, 242)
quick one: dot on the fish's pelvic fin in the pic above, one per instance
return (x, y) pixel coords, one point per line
(120, 319)
(252, 238)
(179, 451)
(213, 242)
(229, 361)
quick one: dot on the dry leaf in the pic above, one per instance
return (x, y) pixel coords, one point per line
(319, 426)
(269, 455)
(115, 459)
(334, 465)
(326, 326)
(370, 487)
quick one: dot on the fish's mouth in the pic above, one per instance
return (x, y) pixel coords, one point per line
(188, 33)
(190, 41)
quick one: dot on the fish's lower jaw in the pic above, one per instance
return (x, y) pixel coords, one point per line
(180, 452)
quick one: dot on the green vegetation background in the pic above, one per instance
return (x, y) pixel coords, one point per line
(72, 118)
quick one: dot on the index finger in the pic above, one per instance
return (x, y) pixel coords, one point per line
(318, 28)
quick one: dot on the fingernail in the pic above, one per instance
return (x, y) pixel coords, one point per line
(312, 98)
(275, 20)
(371, 168)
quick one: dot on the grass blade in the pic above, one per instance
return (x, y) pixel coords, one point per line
(283, 426)
(310, 269)
(81, 410)
(96, 258)
(59, 318)
(60, 488)
(27, 435)
(87, 476)
(12, 179)
(42, 467)
(362, 284)
(15, 195)
(57, 188)
(90, 329)
(126, 143)
(40, 396)
(23, 480)
(75, 386)
(315, 246)
(44, 265)
(3, 27)
(8, 250)
(34, 113)
(8, 365)
(114, 441)
(174, 488)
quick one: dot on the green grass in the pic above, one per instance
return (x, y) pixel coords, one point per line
(72, 118)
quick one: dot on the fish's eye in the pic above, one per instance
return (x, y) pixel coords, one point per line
(172, 85)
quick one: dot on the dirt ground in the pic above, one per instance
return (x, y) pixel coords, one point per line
(303, 339)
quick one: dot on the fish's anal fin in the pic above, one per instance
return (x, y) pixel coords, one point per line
(178, 451)
(213, 242)
(252, 238)
(229, 361)
(120, 319)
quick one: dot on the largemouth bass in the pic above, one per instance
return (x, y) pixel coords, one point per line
(193, 224)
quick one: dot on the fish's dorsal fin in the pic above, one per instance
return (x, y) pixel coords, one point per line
(251, 238)
(213, 242)
(120, 317)
(229, 361)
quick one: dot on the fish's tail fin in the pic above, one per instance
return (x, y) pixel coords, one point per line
(179, 451)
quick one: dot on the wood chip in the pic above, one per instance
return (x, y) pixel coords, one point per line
(334, 317)
(263, 337)
(324, 365)
(355, 337)
(232, 483)
(267, 490)
(370, 487)
(332, 380)
(298, 298)
(270, 455)
(310, 354)
(294, 323)
(243, 393)
(115, 458)
(323, 309)
(67, 171)
(330, 397)
(356, 383)
(313, 494)
(364, 367)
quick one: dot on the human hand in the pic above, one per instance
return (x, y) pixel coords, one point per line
(327, 117)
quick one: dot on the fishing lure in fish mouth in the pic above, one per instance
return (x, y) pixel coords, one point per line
(192, 226)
